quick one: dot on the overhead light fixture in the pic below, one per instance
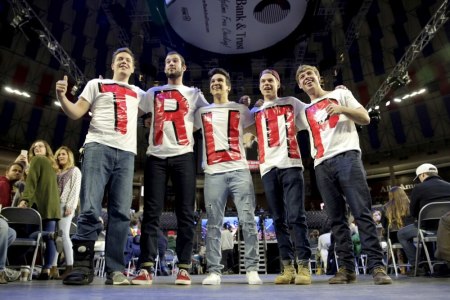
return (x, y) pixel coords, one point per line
(398, 100)
(388, 103)
(17, 92)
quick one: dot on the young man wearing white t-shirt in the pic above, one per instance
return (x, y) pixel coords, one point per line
(227, 174)
(281, 170)
(330, 119)
(170, 155)
(108, 156)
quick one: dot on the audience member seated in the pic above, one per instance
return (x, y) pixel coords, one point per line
(377, 216)
(443, 246)
(12, 175)
(7, 237)
(431, 188)
(397, 216)
(313, 238)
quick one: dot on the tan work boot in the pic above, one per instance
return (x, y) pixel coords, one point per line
(303, 275)
(380, 276)
(343, 276)
(287, 276)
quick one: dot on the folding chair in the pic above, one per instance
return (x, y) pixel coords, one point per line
(427, 225)
(171, 260)
(30, 217)
(392, 245)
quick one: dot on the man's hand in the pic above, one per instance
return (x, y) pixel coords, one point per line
(343, 87)
(61, 87)
(334, 109)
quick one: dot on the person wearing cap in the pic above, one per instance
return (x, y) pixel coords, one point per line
(330, 119)
(431, 188)
(281, 171)
(12, 175)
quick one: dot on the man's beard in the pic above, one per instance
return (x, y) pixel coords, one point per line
(173, 75)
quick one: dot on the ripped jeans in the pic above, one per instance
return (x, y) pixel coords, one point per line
(218, 187)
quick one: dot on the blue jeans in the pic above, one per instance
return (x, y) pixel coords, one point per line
(342, 180)
(104, 165)
(7, 237)
(405, 237)
(284, 189)
(48, 226)
(181, 170)
(218, 187)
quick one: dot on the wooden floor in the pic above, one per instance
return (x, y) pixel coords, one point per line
(232, 287)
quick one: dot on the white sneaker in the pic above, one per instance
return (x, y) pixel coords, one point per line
(253, 278)
(212, 279)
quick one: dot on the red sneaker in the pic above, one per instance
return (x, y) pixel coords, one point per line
(183, 277)
(143, 278)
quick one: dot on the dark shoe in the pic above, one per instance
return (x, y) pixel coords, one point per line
(45, 275)
(83, 267)
(380, 277)
(343, 276)
(421, 271)
(66, 271)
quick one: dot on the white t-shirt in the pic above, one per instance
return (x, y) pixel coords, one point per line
(223, 126)
(277, 133)
(330, 136)
(172, 108)
(114, 108)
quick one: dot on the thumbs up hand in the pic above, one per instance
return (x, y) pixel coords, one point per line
(61, 87)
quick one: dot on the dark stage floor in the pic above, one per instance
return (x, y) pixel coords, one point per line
(233, 287)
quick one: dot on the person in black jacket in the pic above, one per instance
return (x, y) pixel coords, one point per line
(431, 188)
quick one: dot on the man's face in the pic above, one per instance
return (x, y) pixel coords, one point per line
(123, 63)
(14, 173)
(218, 85)
(268, 85)
(173, 66)
(308, 79)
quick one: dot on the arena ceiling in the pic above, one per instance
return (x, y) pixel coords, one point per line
(355, 43)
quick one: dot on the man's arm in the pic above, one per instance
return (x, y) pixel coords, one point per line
(73, 110)
(358, 115)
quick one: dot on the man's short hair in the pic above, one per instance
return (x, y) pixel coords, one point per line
(16, 163)
(183, 61)
(120, 50)
(220, 71)
(303, 68)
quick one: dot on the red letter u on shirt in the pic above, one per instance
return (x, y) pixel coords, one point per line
(214, 156)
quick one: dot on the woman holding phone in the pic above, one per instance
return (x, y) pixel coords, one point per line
(41, 192)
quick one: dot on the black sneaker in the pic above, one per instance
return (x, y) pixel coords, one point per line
(421, 271)
(380, 277)
(343, 276)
